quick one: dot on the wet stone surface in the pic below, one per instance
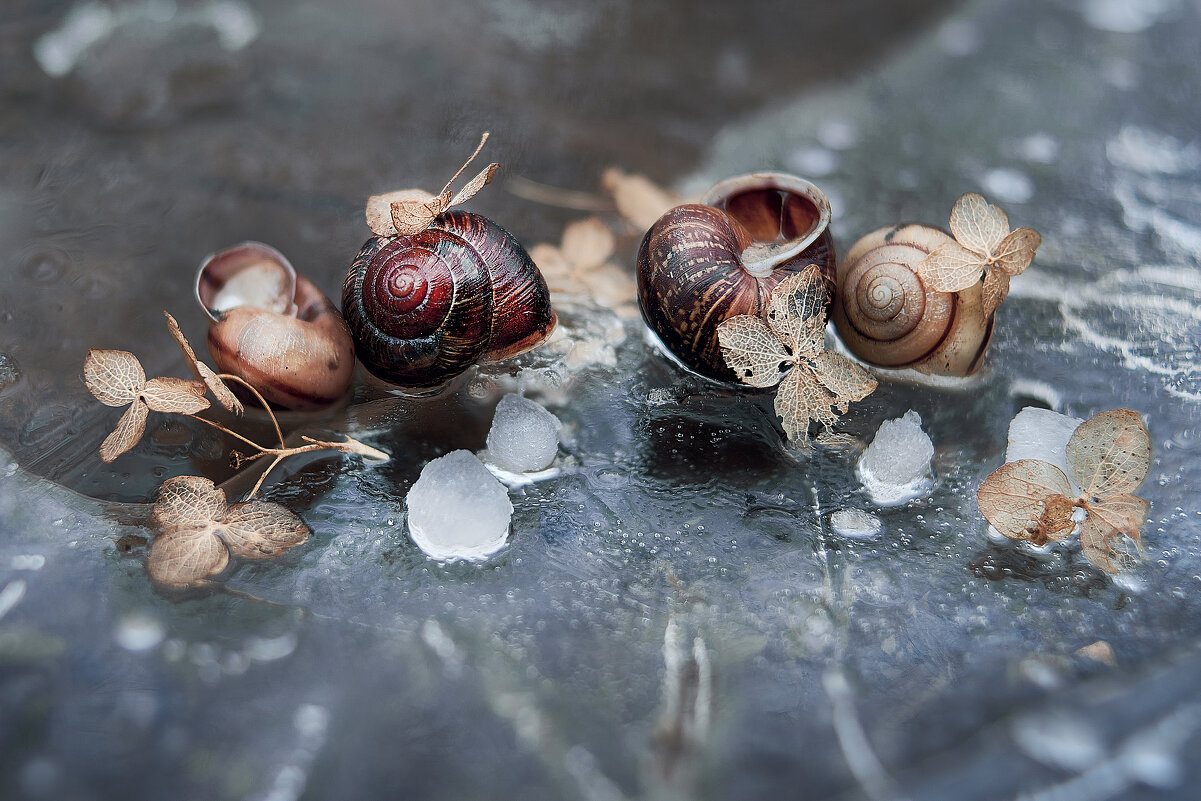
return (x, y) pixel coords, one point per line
(674, 615)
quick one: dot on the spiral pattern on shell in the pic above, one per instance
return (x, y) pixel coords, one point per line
(423, 308)
(695, 267)
(887, 316)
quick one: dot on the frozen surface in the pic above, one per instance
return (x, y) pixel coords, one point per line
(895, 467)
(524, 436)
(674, 615)
(856, 524)
(457, 510)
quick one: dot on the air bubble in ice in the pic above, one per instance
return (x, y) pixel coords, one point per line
(1060, 740)
(855, 524)
(1123, 16)
(896, 466)
(458, 510)
(1041, 434)
(524, 437)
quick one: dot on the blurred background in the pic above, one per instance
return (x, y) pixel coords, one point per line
(658, 628)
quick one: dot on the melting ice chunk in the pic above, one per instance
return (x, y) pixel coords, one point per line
(457, 510)
(896, 467)
(855, 524)
(1041, 434)
(524, 437)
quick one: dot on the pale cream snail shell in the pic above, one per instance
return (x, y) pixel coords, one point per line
(888, 317)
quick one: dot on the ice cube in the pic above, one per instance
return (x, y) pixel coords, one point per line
(896, 466)
(855, 524)
(1041, 434)
(458, 510)
(524, 437)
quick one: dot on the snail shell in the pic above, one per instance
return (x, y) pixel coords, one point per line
(423, 308)
(273, 328)
(701, 264)
(886, 315)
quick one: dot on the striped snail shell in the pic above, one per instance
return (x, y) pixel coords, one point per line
(274, 328)
(701, 264)
(422, 308)
(887, 317)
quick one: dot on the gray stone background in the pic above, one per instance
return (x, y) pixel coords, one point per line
(673, 618)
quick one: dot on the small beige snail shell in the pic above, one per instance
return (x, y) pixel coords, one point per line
(888, 317)
(701, 264)
(274, 328)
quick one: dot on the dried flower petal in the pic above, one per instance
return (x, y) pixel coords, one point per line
(1016, 251)
(202, 371)
(609, 285)
(638, 199)
(1124, 513)
(1110, 453)
(1022, 501)
(175, 395)
(1098, 543)
(184, 556)
(261, 529)
(587, 243)
(847, 380)
(801, 399)
(951, 268)
(796, 312)
(751, 350)
(472, 187)
(996, 289)
(978, 225)
(115, 377)
(128, 432)
(187, 501)
(410, 217)
(379, 209)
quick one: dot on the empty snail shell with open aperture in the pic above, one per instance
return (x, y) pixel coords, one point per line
(888, 316)
(701, 264)
(274, 328)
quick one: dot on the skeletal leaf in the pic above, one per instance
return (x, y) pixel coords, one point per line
(638, 199)
(187, 501)
(951, 267)
(751, 350)
(1027, 500)
(1110, 453)
(1016, 251)
(411, 211)
(379, 209)
(796, 312)
(184, 556)
(587, 243)
(115, 377)
(996, 289)
(411, 217)
(261, 529)
(175, 395)
(846, 380)
(1099, 543)
(1124, 513)
(978, 225)
(202, 371)
(801, 399)
(128, 432)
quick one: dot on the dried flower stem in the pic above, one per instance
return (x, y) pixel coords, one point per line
(350, 445)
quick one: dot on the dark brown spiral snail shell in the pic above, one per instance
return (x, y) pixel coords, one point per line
(887, 316)
(422, 308)
(701, 264)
